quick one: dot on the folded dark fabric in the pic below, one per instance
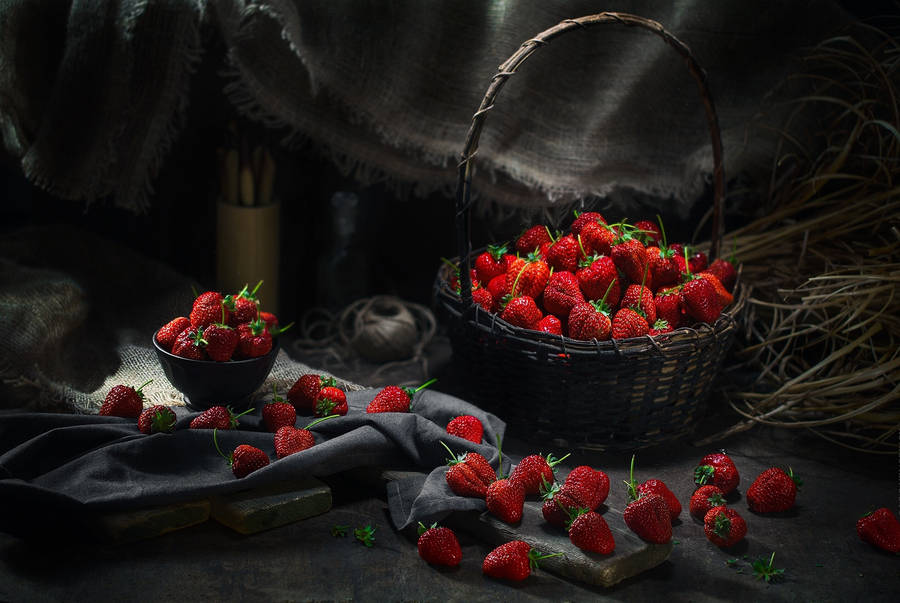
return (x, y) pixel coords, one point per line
(55, 466)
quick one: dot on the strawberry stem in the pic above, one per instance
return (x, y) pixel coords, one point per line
(632, 485)
(424, 385)
(499, 459)
(454, 458)
(230, 459)
(662, 230)
(148, 382)
(534, 556)
(319, 420)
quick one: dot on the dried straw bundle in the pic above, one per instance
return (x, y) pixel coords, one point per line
(823, 323)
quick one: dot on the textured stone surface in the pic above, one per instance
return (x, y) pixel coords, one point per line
(257, 510)
(129, 526)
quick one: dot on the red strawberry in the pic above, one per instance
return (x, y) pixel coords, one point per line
(773, 491)
(498, 288)
(724, 296)
(590, 532)
(217, 417)
(628, 323)
(245, 459)
(522, 312)
(330, 401)
(559, 502)
(597, 238)
(664, 270)
(123, 401)
(655, 486)
(534, 470)
(156, 419)
(505, 500)
(669, 306)
(724, 271)
(491, 263)
(454, 280)
(648, 232)
(589, 486)
(649, 518)
(880, 529)
(647, 515)
(221, 340)
(166, 335)
(469, 474)
(483, 298)
(719, 470)
(704, 499)
(466, 427)
(532, 239)
(270, 319)
(305, 390)
(724, 526)
(527, 276)
(701, 302)
(207, 309)
(549, 324)
(254, 339)
(394, 398)
(513, 560)
(564, 254)
(562, 293)
(582, 219)
(288, 439)
(640, 298)
(698, 262)
(278, 413)
(659, 327)
(438, 545)
(596, 276)
(590, 320)
(630, 257)
(244, 306)
(190, 344)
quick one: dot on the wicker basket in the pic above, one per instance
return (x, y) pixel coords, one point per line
(598, 395)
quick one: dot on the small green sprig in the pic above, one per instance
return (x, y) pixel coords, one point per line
(365, 535)
(339, 531)
(766, 570)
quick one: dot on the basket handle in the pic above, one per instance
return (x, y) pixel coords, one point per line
(509, 67)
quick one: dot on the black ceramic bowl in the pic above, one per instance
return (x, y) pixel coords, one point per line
(207, 383)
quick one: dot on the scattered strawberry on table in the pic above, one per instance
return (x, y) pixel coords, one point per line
(245, 459)
(469, 474)
(773, 491)
(534, 470)
(466, 427)
(513, 560)
(647, 515)
(438, 545)
(278, 412)
(217, 417)
(590, 532)
(724, 526)
(304, 393)
(395, 398)
(565, 274)
(881, 529)
(717, 469)
(124, 401)
(289, 439)
(157, 419)
(705, 498)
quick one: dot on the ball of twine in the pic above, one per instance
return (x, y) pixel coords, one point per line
(383, 329)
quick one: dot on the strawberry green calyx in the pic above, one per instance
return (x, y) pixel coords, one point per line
(162, 422)
(588, 260)
(197, 336)
(548, 490)
(703, 474)
(797, 481)
(411, 392)
(279, 330)
(722, 527)
(339, 531)
(535, 555)
(454, 458)
(716, 500)
(573, 513)
(665, 244)
(423, 528)
(365, 535)
(601, 306)
(660, 324)
(497, 251)
(553, 461)
(766, 570)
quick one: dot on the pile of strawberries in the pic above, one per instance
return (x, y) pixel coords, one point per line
(600, 281)
(221, 328)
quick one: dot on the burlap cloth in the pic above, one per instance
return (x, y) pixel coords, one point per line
(93, 92)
